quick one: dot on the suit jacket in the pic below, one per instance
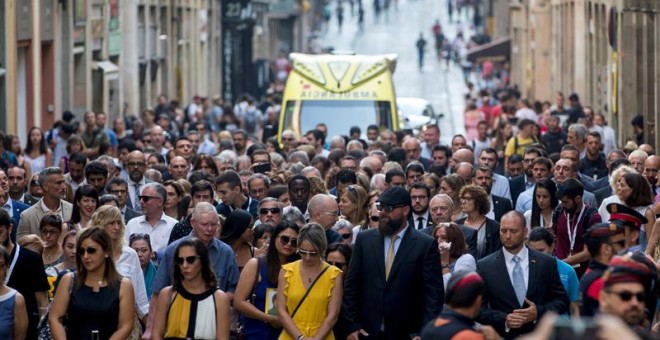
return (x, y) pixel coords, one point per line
(412, 296)
(429, 222)
(501, 206)
(517, 185)
(425, 162)
(493, 242)
(31, 217)
(30, 200)
(129, 214)
(17, 208)
(544, 289)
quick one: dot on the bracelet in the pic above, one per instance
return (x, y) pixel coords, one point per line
(299, 337)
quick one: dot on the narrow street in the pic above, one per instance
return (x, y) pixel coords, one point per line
(397, 32)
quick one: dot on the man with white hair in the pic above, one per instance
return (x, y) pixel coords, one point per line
(337, 142)
(154, 221)
(310, 171)
(637, 159)
(378, 182)
(288, 140)
(373, 163)
(577, 136)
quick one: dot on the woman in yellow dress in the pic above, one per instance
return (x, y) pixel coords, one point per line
(309, 315)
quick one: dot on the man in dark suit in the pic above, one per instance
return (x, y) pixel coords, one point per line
(392, 286)
(525, 181)
(441, 207)
(420, 218)
(230, 190)
(521, 284)
(14, 208)
(119, 187)
(483, 177)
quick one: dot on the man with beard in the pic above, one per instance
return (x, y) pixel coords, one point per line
(483, 177)
(25, 273)
(521, 284)
(525, 181)
(441, 207)
(500, 184)
(96, 174)
(76, 175)
(240, 142)
(603, 241)
(270, 211)
(392, 285)
(465, 292)
(299, 191)
(569, 222)
(651, 167)
(136, 166)
(420, 217)
(593, 163)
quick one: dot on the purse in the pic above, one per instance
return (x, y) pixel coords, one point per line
(43, 327)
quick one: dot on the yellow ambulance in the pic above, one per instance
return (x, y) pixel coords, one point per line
(341, 91)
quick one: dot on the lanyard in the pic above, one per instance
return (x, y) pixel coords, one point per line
(573, 233)
(13, 264)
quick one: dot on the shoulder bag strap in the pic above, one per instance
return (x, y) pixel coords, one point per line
(253, 296)
(309, 290)
(12, 265)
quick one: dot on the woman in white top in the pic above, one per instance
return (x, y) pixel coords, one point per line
(544, 203)
(635, 191)
(453, 250)
(36, 152)
(85, 201)
(126, 259)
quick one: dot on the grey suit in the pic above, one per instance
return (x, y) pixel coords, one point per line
(31, 217)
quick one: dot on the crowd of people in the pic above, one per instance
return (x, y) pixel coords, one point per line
(178, 229)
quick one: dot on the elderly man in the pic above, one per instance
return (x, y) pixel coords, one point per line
(441, 207)
(651, 167)
(373, 163)
(270, 211)
(54, 187)
(460, 156)
(154, 221)
(323, 210)
(158, 140)
(413, 152)
(258, 186)
(577, 136)
(465, 170)
(178, 168)
(637, 159)
(201, 191)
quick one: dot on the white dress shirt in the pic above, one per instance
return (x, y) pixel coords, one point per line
(160, 233)
(523, 254)
(128, 265)
(500, 186)
(425, 220)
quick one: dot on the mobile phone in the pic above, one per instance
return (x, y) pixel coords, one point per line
(262, 168)
(574, 329)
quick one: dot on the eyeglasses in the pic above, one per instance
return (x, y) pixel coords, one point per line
(34, 183)
(374, 218)
(147, 198)
(273, 211)
(387, 208)
(337, 264)
(89, 250)
(188, 259)
(303, 252)
(136, 164)
(346, 236)
(626, 295)
(284, 240)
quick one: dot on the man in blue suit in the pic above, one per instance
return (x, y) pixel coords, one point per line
(14, 208)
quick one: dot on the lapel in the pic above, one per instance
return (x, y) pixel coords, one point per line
(405, 248)
(533, 271)
(378, 244)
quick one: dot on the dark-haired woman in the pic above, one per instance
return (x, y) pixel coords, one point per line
(193, 293)
(258, 319)
(141, 243)
(237, 233)
(85, 201)
(635, 191)
(96, 299)
(544, 203)
(51, 230)
(205, 163)
(174, 194)
(454, 256)
(13, 313)
(36, 153)
(476, 204)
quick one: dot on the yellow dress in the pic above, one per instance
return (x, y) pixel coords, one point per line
(314, 309)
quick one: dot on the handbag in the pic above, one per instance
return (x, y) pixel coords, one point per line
(43, 327)
(238, 334)
(308, 290)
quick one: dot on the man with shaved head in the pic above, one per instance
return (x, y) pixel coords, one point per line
(373, 163)
(464, 170)
(158, 140)
(323, 210)
(414, 152)
(136, 166)
(651, 167)
(461, 156)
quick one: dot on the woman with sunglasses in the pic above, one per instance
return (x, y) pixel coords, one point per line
(354, 205)
(51, 230)
(345, 229)
(194, 285)
(85, 201)
(141, 243)
(96, 299)
(258, 323)
(475, 204)
(237, 233)
(312, 316)
(454, 256)
(544, 203)
(13, 313)
(126, 259)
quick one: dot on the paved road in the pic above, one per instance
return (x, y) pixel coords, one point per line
(397, 33)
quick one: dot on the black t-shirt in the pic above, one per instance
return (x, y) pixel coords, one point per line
(28, 277)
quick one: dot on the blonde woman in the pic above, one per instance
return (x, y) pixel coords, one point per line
(614, 181)
(353, 205)
(125, 258)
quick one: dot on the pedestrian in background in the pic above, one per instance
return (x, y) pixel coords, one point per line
(421, 46)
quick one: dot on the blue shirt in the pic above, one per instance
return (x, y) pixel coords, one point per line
(569, 280)
(222, 258)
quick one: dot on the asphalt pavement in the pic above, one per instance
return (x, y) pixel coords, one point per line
(397, 32)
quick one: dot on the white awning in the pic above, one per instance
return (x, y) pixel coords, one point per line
(106, 66)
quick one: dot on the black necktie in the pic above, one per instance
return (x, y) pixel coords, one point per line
(420, 223)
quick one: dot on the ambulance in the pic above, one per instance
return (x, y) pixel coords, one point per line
(341, 91)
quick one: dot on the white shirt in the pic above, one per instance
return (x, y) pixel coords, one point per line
(47, 209)
(128, 265)
(602, 210)
(464, 263)
(160, 233)
(9, 208)
(523, 254)
(500, 186)
(425, 220)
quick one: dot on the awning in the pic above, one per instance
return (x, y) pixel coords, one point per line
(496, 51)
(108, 68)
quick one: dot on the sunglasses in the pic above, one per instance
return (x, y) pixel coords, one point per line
(302, 252)
(147, 198)
(387, 208)
(89, 250)
(628, 295)
(374, 218)
(188, 259)
(284, 240)
(337, 264)
(273, 211)
(345, 236)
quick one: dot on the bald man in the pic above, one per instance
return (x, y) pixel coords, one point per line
(461, 156)
(414, 152)
(464, 170)
(651, 167)
(136, 166)
(323, 210)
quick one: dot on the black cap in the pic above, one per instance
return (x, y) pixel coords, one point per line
(68, 128)
(395, 196)
(68, 116)
(603, 230)
(574, 97)
(625, 215)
